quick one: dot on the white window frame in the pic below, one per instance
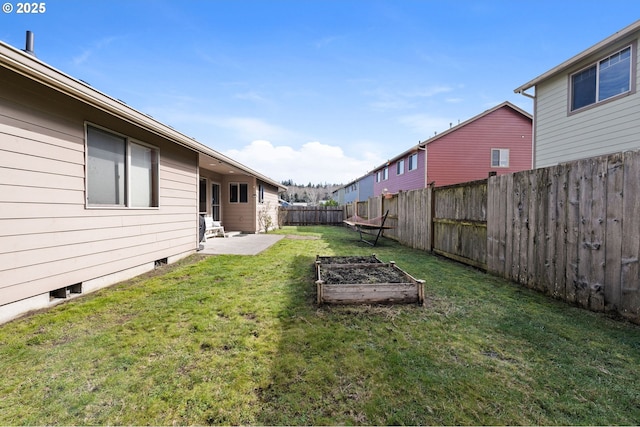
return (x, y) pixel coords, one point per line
(413, 162)
(216, 205)
(127, 202)
(400, 167)
(503, 161)
(237, 192)
(385, 173)
(598, 70)
(261, 193)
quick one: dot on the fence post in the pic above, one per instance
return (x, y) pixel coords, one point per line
(432, 214)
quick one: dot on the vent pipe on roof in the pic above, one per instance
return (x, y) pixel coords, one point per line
(29, 44)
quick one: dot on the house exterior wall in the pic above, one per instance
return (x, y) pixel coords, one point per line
(358, 190)
(465, 155)
(605, 128)
(239, 216)
(339, 195)
(409, 180)
(351, 192)
(365, 187)
(49, 238)
(213, 178)
(267, 209)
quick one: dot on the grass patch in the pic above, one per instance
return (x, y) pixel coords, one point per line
(239, 340)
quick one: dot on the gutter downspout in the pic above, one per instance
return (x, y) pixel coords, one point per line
(425, 161)
(533, 123)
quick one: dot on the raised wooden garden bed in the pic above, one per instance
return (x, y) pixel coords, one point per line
(365, 280)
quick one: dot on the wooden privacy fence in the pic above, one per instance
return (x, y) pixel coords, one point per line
(460, 222)
(571, 231)
(312, 215)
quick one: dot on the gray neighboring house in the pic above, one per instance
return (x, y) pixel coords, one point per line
(588, 105)
(357, 190)
(93, 192)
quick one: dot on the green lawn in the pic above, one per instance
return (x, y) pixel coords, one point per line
(240, 340)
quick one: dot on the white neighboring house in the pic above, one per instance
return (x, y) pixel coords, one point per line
(588, 105)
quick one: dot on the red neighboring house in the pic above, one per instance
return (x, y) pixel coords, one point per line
(498, 140)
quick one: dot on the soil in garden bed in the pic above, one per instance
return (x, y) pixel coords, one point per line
(363, 275)
(372, 259)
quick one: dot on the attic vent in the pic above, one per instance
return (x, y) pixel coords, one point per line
(29, 44)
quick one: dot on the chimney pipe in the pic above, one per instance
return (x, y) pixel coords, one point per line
(29, 44)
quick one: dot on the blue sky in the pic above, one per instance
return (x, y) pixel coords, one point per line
(314, 91)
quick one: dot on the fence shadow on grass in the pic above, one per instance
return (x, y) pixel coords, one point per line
(482, 351)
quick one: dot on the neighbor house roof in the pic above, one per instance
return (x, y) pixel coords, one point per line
(422, 144)
(579, 57)
(474, 118)
(31, 67)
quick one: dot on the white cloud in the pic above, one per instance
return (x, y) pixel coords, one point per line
(313, 162)
(251, 96)
(238, 128)
(97, 45)
(425, 124)
(325, 41)
(392, 100)
(249, 128)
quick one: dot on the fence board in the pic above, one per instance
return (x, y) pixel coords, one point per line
(573, 221)
(613, 240)
(312, 215)
(544, 268)
(550, 230)
(598, 234)
(571, 230)
(629, 280)
(460, 222)
(585, 168)
(560, 176)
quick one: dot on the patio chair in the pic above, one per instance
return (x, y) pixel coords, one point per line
(213, 228)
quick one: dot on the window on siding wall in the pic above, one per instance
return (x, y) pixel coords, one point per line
(413, 161)
(120, 173)
(260, 193)
(385, 174)
(202, 195)
(400, 167)
(602, 80)
(499, 158)
(238, 192)
(143, 172)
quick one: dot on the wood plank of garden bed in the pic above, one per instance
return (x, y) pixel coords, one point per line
(371, 294)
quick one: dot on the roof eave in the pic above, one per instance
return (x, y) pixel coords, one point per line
(39, 71)
(477, 117)
(614, 38)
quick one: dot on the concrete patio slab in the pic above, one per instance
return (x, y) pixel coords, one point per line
(240, 244)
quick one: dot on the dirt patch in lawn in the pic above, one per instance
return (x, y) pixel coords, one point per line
(298, 237)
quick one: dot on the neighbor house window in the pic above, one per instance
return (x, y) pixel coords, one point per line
(400, 167)
(238, 192)
(602, 80)
(378, 176)
(385, 174)
(413, 161)
(120, 172)
(499, 158)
